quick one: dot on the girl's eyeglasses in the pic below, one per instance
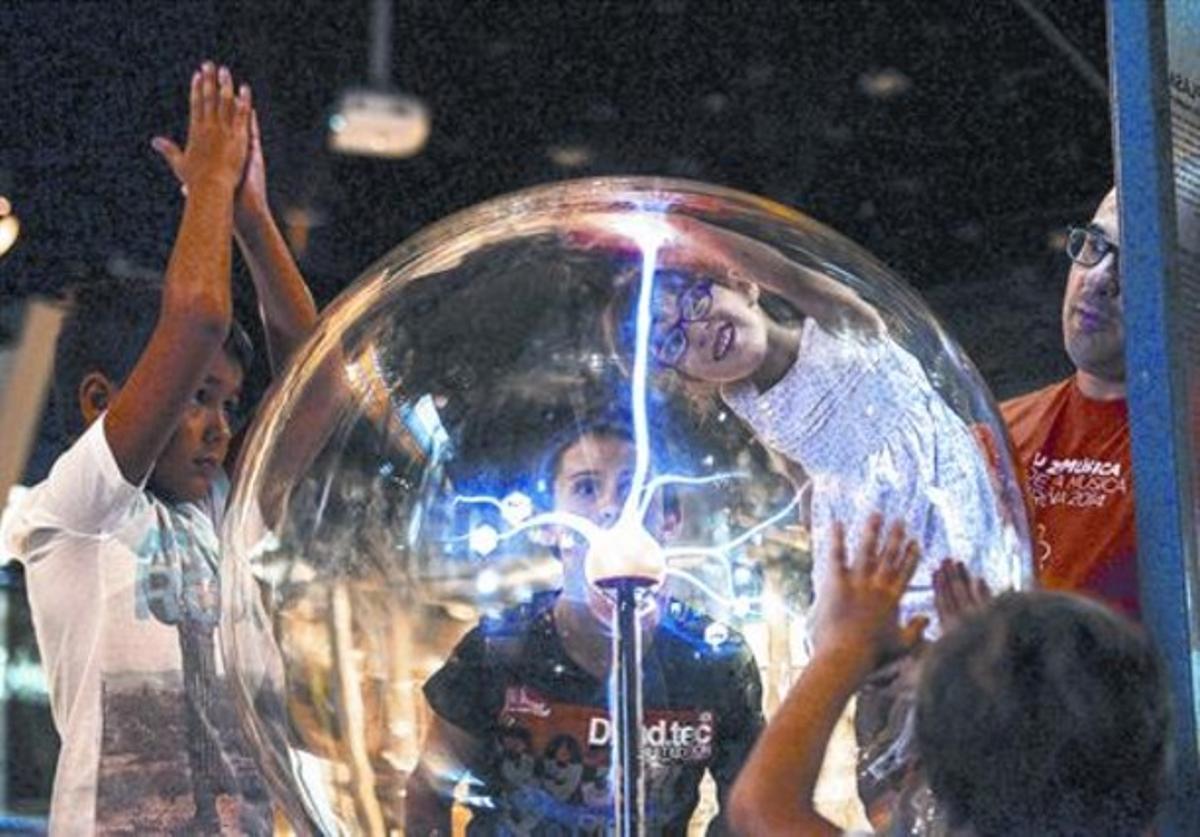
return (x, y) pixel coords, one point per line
(693, 303)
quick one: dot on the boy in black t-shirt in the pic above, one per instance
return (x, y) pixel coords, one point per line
(521, 706)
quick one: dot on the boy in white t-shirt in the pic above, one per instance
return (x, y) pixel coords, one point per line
(120, 542)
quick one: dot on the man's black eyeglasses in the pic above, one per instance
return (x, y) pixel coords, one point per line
(1087, 246)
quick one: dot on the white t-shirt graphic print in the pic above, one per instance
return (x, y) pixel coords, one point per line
(125, 599)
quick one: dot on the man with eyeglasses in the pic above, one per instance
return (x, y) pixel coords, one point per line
(1072, 438)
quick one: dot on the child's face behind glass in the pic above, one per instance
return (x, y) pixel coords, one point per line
(710, 332)
(593, 479)
(194, 456)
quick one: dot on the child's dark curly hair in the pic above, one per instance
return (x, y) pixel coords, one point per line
(108, 326)
(1045, 713)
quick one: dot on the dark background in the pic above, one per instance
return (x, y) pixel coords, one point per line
(995, 136)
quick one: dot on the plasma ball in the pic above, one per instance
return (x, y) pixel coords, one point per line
(427, 504)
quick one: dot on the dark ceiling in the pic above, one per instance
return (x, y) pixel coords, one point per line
(991, 133)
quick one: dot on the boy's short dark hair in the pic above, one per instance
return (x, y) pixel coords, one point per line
(1046, 713)
(108, 326)
(603, 425)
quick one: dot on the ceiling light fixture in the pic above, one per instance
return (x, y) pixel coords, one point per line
(377, 120)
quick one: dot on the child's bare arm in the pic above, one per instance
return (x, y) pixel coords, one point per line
(856, 630)
(196, 306)
(285, 303)
(957, 593)
(284, 300)
(836, 307)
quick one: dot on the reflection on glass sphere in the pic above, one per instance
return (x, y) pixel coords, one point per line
(576, 446)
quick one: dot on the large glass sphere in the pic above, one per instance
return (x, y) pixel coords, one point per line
(527, 538)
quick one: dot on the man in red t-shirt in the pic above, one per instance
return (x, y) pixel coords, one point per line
(1072, 438)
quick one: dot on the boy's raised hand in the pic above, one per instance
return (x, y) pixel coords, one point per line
(858, 607)
(218, 141)
(956, 593)
(856, 629)
(196, 297)
(250, 203)
(285, 302)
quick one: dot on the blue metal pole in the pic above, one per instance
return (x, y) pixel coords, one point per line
(1157, 364)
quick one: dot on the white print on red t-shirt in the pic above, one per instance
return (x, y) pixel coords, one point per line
(1044, 550)
(1069, 465)
(1075, 483)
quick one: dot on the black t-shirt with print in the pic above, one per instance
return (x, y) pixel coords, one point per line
(547, 729)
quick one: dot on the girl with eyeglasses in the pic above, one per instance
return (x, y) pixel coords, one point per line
(809, 367)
